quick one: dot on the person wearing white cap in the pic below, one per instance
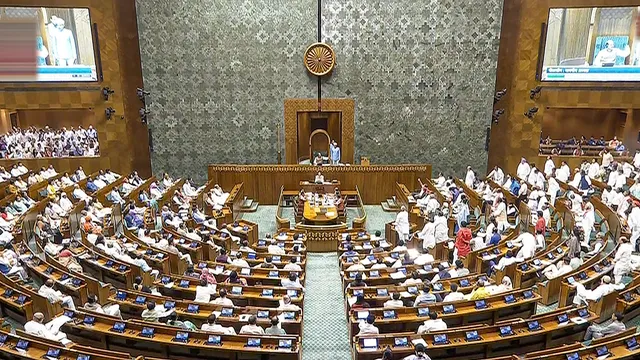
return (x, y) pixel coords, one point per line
(402, 224)
(47, 331)
(583, 295)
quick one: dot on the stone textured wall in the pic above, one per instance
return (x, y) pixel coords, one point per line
(422, 74)
(218, 72)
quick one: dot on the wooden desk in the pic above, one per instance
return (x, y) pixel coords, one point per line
(132, 309)
(162, 344)
(372, 297)
(408, 319)
(250, 295)
(39, 347)
(491, 343)
(320, 215)
(245, 230)
(326, 187)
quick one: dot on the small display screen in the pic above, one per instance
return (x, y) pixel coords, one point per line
(214, 340)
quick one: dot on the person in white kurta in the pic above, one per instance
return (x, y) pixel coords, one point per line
(47, 331)
(563, 173)
(441, 232)
(549, 165)
(402, 224)
(588, 219)
(552, 190)
(523, 169)
(427, 235)
(470, 177)
(634, 224)
(497, 175)
(499, 211)
(583, 295)
(528, 248)
(622, 260)
(636, 159)
(594, 169)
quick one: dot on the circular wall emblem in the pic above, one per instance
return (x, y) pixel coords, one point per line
(319, 59)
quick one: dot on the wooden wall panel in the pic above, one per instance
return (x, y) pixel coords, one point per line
(346, 108)
(56, 118)
(516, 136)
(123, 138)
(263, 182)
(563, 123)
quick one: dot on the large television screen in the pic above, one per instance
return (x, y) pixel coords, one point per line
(44, 44)
(592, 44)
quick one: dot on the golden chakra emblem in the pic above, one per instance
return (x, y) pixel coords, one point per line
(319, 59)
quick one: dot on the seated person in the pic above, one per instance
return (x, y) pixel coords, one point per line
(212, 326)
(319, 178)
(49, 331)
(54, 296)
(599, 331)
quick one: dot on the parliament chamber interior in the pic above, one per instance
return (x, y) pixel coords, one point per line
(319, 179)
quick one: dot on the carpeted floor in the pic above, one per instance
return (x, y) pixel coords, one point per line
(325, 334)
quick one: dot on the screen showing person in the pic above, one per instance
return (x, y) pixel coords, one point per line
(62, 43)
(591, 44)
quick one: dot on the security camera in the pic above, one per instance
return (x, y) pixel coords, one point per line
(108, 112)
(499, 95)
(142, 94)
(531, 112)
(497, 114)
(535, 92)
(106, 92)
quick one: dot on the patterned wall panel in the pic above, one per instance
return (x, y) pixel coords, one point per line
(219, 72)
(422, 74)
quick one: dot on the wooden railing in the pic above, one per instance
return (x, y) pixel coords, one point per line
(281, 222)
(360, 221)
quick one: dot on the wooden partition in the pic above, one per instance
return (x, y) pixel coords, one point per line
(263, 182)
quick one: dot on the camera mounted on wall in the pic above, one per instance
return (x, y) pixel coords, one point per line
(106, 92)
(499, 95)
(142, 94)
(497, 114)
(535, 92)
(143, 114)
(531, 112)
(108, 112)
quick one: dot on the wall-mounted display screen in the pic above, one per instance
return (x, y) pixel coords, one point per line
(46, 45)
(592, 44)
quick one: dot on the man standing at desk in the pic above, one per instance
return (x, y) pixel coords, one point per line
(335, 153)
(402, 224)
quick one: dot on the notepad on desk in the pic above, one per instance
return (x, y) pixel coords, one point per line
(397, 275)
(578, 320)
